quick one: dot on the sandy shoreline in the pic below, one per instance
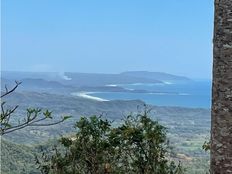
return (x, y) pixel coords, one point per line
(87, 95)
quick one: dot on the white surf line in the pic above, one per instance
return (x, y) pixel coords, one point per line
(167, 93)
(183, 94)
(112, 85)
(88, 96)
(167, 83)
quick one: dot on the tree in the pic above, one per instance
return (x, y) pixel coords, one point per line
(143, 146)
(138, 146)
(34, 116)
(221, 127)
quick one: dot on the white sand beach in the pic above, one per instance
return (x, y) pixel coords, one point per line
(87, 95)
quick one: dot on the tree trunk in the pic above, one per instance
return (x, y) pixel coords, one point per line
(221, 125)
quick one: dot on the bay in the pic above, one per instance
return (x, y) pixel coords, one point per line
(193, 94)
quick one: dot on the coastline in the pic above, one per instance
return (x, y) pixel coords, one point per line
(88, 95)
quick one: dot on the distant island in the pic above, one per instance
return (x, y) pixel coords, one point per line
(93, 81)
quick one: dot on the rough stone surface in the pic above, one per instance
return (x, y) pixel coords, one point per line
(221, 129)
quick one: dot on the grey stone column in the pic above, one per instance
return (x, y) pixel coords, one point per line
(221, 126)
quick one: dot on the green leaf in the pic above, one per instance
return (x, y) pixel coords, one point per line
(6, 125)
(47, 114)
(66, 117)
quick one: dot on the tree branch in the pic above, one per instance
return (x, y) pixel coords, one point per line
(7, 92)
(32, 117)
(27, 124)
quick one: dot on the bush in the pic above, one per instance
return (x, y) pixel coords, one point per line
(138, 146)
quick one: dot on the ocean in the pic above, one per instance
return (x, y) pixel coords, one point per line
(193, 94)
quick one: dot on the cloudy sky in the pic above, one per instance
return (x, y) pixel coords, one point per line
(108, 36)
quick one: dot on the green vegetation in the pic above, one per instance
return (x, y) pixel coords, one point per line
(187, 129)
(138, 146)
(17, 159)
(33, 117)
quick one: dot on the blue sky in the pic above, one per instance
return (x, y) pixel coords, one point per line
(108, 36)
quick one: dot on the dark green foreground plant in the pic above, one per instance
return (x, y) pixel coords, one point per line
(137, 146)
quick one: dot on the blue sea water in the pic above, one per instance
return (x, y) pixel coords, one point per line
(193, 94)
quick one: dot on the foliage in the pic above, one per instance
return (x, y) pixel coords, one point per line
(34, 116)
(17, 159)
(206, 146)
(139, 145)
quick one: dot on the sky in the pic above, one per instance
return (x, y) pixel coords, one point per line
(108, 36)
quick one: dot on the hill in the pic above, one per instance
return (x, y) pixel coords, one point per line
(161, 76)
(92, 79)
(17, 159)
(187, 128)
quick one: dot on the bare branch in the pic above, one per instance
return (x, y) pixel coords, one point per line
(2, 109)
(27, 124)
(12, 90)
(10, 111)
(6, 88)
(48, 124)
(32, 118)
